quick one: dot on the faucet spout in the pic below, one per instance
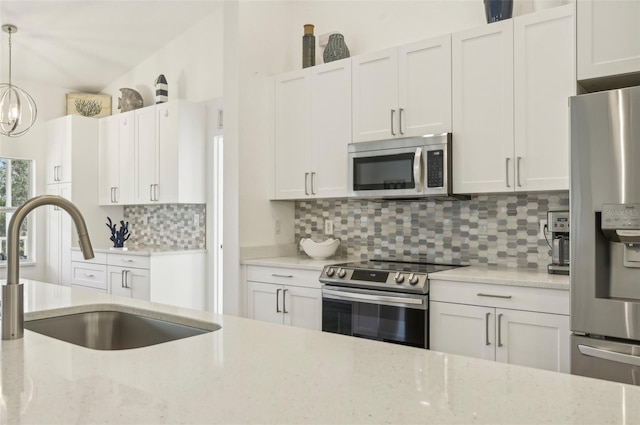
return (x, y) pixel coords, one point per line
(13, 291)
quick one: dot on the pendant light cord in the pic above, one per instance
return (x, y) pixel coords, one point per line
(10, 56)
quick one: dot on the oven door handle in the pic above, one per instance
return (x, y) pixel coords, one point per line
(372, 299)
(418, 171)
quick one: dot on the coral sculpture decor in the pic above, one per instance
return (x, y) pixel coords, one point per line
(118, 237)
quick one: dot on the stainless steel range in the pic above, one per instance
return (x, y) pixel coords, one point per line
(381, 300)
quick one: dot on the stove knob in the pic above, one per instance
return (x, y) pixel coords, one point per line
(330, 271)
(413, 279)
(399, 278)
(342, 273)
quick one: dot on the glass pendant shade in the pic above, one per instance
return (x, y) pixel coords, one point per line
(18, 110)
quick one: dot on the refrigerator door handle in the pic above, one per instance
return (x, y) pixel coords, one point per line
(609, 355)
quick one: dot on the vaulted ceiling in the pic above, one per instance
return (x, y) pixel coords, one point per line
(84, 45)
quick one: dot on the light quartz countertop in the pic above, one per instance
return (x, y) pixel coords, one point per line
(479, 274)
(503, 276)
(257, 372)
(146, 251)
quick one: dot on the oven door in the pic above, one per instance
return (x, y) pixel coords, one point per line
(383, 316)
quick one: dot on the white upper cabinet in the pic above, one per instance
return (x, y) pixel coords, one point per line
(403, 92)
(292, 134)
(117, 153)
(608, 38)
(511, 84)
(331, 128)
(312, 131)
(545, 77)
(64, 135)
(154, 155)
(483, 108)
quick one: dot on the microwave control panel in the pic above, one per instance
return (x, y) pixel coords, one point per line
(435, 168)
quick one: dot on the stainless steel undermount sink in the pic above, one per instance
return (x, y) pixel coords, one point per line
(114, 330)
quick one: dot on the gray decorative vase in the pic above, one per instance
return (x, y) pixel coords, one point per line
(336, 49)
(130, 100)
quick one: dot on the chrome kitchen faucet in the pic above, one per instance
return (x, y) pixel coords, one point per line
(13, 291)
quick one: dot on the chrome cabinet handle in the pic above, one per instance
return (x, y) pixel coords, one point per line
(500, 330)
(418, 170)
(313, 180)
(507, 172)
(112, 194)
(400, 120)
(306, 183)
(116, 194)
(480, 294)
(122, 280)
(278, 300)
(393, 111)
(284, 301)
(486, 330)
(518, 170)
(155, 192)
(55, 174)
(88, 275)
(126, 261)
(151, 192)
(282, 275)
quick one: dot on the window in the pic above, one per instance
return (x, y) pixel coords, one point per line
(16, 186)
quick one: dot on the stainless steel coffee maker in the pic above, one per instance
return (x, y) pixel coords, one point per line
(558, 225)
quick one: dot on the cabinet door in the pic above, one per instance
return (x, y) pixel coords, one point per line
(375, 96)
(482, 81)
(462, 329)
(544, 64)
(125, 192)
(302, 307)
(59, 238)
(608, 38)
(264, 302)
(531, 339)
(425, 87)
(146, 155)
(109, 153)
(58, 149)
(331, 128)
(129, 282)
(167, 127)
(293, 135)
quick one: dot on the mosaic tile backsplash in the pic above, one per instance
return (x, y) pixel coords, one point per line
(167, 226)
(499, 229)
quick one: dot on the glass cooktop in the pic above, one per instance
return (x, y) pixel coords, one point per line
(398, 266)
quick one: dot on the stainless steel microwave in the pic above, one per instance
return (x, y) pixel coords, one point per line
(406, 168)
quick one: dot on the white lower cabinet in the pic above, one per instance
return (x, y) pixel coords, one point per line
(175, 278)
(129, 282)
(297, 303)
(538, 339)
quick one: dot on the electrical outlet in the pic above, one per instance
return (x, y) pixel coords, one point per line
(277, 226)
(543, 224)
(196, 219)
(328, 227)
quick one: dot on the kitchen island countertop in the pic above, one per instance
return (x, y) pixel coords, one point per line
(256, 372)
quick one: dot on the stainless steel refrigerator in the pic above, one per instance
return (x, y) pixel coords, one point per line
(605, 235)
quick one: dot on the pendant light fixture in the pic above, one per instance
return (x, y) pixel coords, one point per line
(18, 110)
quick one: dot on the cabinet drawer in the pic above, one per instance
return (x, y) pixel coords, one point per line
(501, 296)
(284, 276)
(124, 260)
(100, 257)
(89, 275)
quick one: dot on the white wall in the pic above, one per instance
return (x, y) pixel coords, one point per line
(192, 64)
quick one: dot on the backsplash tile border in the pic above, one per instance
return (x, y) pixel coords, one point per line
(492, 229)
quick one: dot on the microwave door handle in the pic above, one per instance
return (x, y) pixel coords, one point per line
(418, 171)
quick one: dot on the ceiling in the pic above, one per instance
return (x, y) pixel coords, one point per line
(85, 45)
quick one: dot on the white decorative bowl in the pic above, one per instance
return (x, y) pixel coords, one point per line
(321, 250)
